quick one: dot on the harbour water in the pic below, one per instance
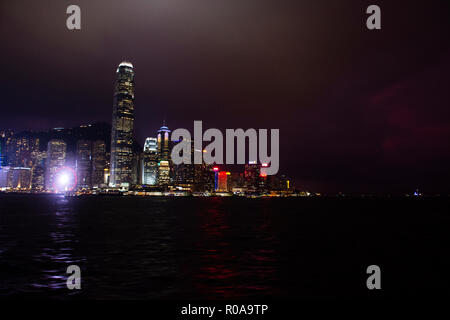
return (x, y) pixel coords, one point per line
(222, 248)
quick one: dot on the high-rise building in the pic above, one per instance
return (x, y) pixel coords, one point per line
(183, 173)
(236, 180)
(21, 178)
(150, 162)
(122, 127)
(251, 176)
(98, 163)
(151, 145)
(164, 163)
(216, 178)
(5, 135)
(163, 173)
(5, 177)
(18, 151)
(223, 185)
(38, 178)
(204, 176)
(163, 137)
(56, 157)
(83, 164)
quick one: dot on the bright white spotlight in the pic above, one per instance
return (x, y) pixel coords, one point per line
(66, 179)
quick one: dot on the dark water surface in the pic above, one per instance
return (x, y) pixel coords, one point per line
(222, 248)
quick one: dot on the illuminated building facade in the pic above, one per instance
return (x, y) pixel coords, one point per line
(98, 163)
(236, 180)
(38, 178)
(20, 150)
(83, 164)
(151, 145)
(5, 177)
(122, 127)
(251, 176)
(163, 173)
(4, 135)
(5, 139)
(163, 139)
(21, 178)
(263, 178)
(183, 173)
(204, 177)
(150, 162)
(164, 163)
(223, 181)
(216, 178)
(56, 158)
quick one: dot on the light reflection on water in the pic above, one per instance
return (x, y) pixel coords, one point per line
(227, 264)
(59, 252)
(136, 248)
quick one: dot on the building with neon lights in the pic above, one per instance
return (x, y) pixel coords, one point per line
(164, 162)
(163, 142)
(223, 181)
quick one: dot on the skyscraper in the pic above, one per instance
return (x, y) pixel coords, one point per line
(38, 178)
(150, 162)
(223, 181)
(98, 162)
(21, 178)
(163, 136)
(251, 176)
(164, 163)
(83, 164)
(183, 173)
(56, 158)
(122, 127)
(204, 176)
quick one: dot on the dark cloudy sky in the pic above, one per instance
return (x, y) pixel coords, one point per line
(357, 110)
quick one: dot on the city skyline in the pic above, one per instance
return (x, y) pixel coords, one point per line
(358, 111)
(70, 160)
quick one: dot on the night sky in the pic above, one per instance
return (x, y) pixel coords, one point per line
(358, 110)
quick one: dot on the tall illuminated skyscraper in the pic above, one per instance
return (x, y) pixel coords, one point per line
(98, 162)
(251, 176)
(150, 162)
(163, 136)
(122, 127)
(83, 164)
(56, 158)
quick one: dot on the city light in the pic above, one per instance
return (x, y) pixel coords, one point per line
(65, 179)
